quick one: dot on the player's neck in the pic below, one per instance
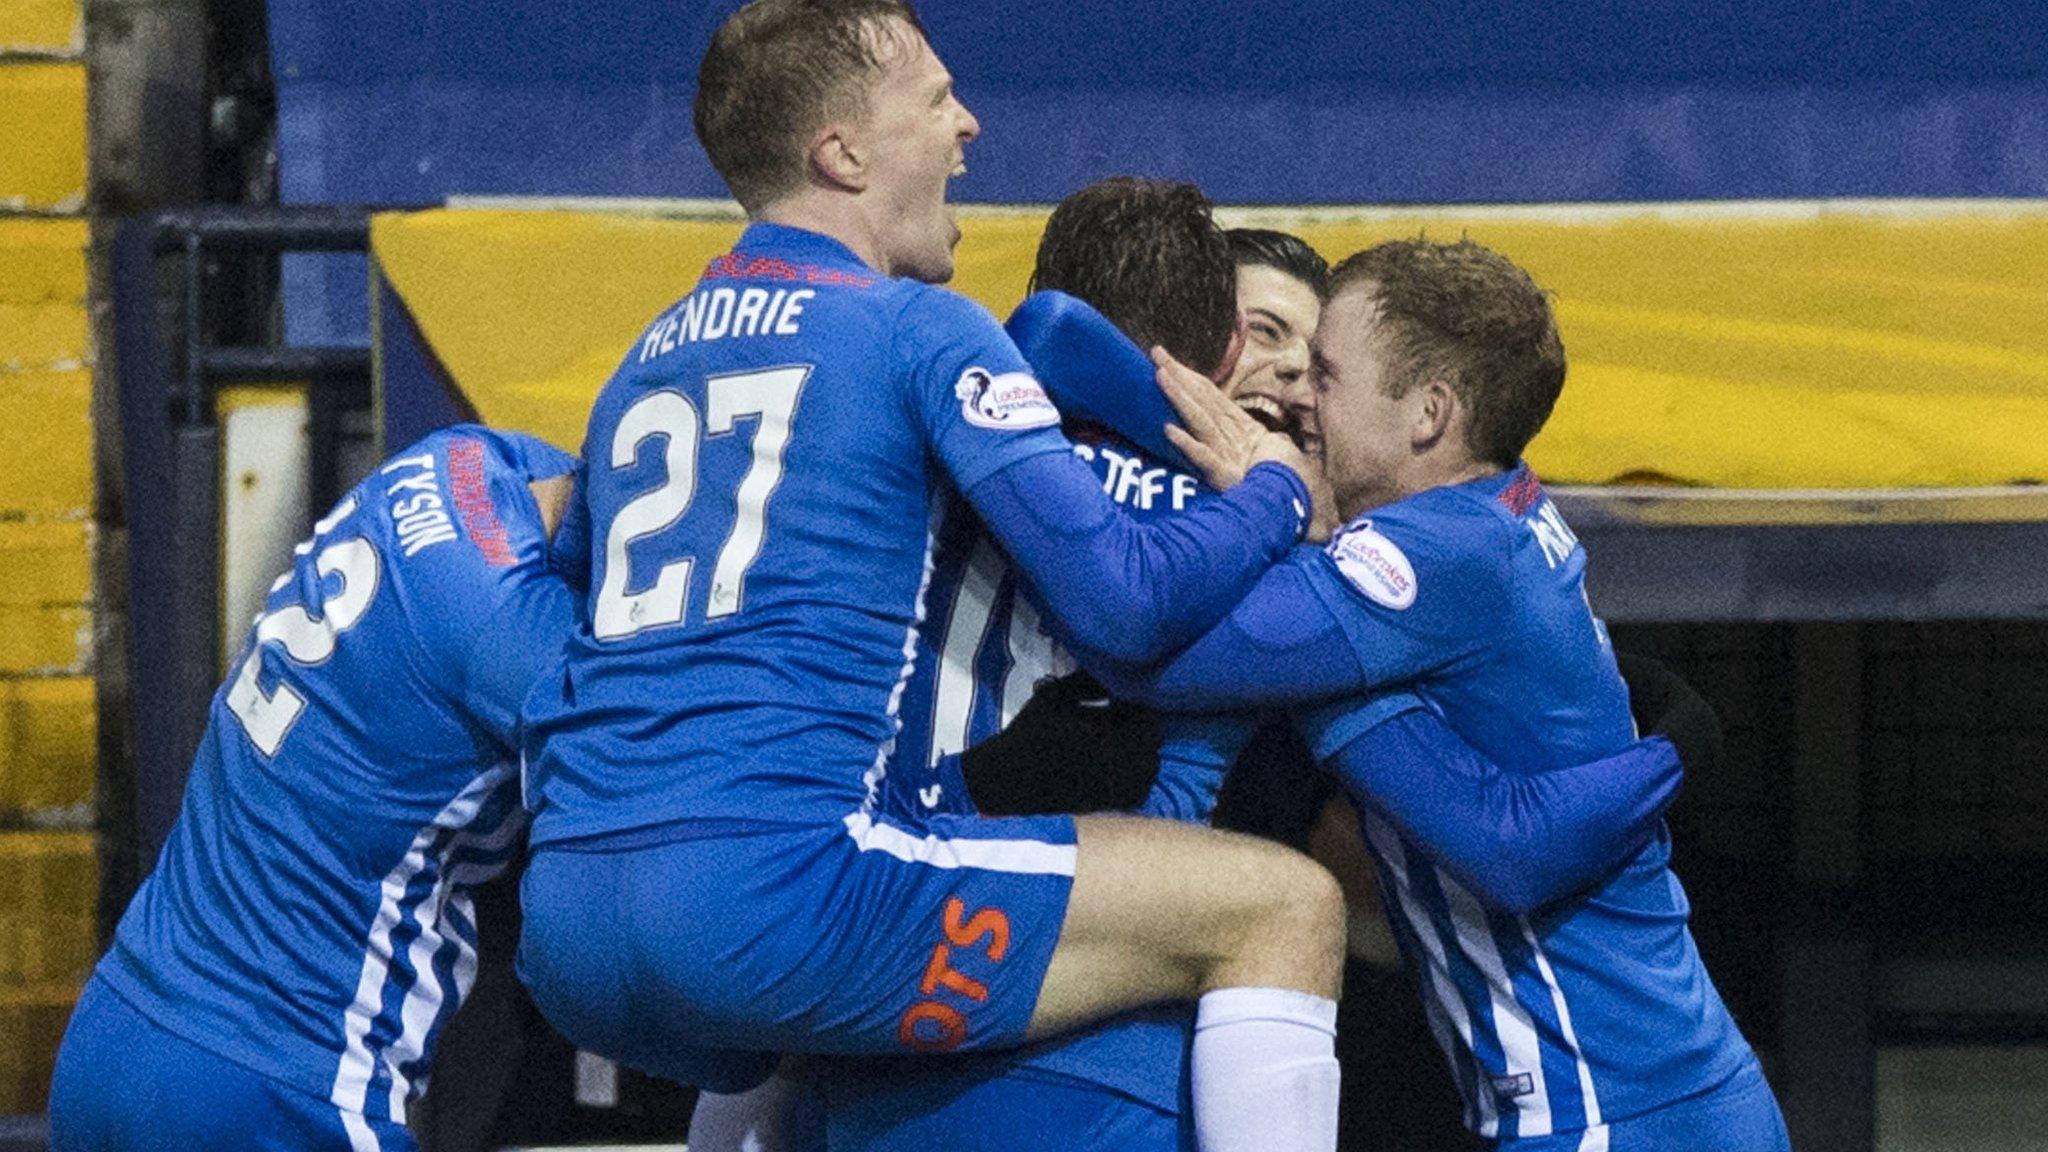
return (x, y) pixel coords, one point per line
(1462, 470)
(1427, 471)
(830, 214)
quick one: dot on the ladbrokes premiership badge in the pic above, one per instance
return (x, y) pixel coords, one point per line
(1013, 400)
(1375, 566)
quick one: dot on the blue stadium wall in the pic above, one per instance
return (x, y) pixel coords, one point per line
(1315, 101)
(1310, 102)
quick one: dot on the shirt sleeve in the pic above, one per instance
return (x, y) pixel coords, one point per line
(1391, 600)
(1418, 587)
(489, 609)
(1283, 644)
(1517, 841)
(970, 391)
(1195, 754)
(1116, 590)
(569, 552)
(1094, 372)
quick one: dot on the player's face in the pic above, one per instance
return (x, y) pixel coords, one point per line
(918, 132)
(1365, 430)
(1271, 378)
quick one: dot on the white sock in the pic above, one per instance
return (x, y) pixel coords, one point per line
(781, 1115)
(1265, 1071)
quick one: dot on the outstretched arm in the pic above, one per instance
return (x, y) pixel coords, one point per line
(1094, 372)
(498, 621)
(1357, 616)
(1282, 645)
(1128, 591)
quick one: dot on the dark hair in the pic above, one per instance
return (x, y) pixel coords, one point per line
(1469, 316)
(1282, 252)
(776, 71)
(1149, 256)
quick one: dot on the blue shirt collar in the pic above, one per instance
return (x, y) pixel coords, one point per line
(1517, 489)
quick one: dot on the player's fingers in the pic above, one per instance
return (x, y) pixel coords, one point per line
(1222, 417)
(1199, 454)
(1175, 388)
(1186, 389)
(1206, 460)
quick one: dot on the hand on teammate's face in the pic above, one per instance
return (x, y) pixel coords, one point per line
(1220, 439)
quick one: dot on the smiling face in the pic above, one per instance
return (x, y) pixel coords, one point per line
(1368, 433)
(914, 136)
(1271, 379)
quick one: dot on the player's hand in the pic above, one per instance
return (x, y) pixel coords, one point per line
(1072, 748)
(1665, 705)
(1217, 436)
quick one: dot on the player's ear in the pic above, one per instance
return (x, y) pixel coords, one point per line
(1434, 411)
(839, 157)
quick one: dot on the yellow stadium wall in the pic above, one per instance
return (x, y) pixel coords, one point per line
(1776, 346)
(49, 878)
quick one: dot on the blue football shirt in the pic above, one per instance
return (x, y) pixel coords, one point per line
(1471, 597)
(987, 644)
(1590, 1010)
(764, 487)
(763, 476)
(311, 917)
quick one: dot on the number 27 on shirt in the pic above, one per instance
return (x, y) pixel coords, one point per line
(771, 396)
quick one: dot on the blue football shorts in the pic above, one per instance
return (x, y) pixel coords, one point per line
(126, 1084)
(1739, 1116)
(876, 936)
(964, 1109)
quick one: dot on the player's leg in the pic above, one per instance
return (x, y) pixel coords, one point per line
(1168, 911)
(1164, 911)
(873, 938)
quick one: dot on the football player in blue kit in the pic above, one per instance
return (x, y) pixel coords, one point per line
(709, 866)
(1585, 1022)
(1152, 258)
(281, 978)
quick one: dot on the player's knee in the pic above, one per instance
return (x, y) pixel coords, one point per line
(1318, 900)
(1306, 926)
(1292, 936)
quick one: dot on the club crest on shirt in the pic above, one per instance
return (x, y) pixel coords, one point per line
(1012, 400)
(1375, 566)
